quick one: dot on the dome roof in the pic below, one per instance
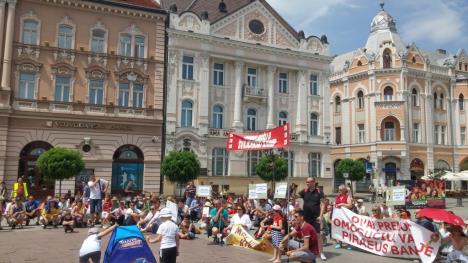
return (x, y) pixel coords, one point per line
(383, 21)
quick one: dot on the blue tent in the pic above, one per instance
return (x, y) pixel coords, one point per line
(127, 244)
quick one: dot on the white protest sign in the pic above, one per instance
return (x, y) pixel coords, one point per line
(281, 190)
(252, 191)
(384, 237)
(204, 190)
(396, 195)
(206, 212)
(262, 191)
(173, 208)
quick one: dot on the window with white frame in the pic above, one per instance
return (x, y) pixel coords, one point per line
(124, 94)
(313, 85)
(138, 92)
(30, 29)
(252, 77)
(360, 97)
(388, 94)
(251, 119)
(416, 132)
(283, 82)
(389, 131)
(65, 36)
(252, 160)
(218, 74)
(315, 164)
(125, 41)
(187, 67)
(139, 47)
(98, 41)
(282, 118)
(462, 135)
(361, 133)
(289, 156)
(27, 85)
(96, 92)
(314, 124)
(220, 162)
(436, 134)
(414, 98)
(337, 104)
(442, 134)
(217, 117)
(62, 88)
(132, 45)
(186, 114)
(461, 102)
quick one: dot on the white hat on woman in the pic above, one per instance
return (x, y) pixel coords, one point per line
(165, 213)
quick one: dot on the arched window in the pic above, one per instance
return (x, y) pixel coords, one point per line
(337, 104)
(186, 118)
(461, 102)
(127, 168)
(441, 101)
(314, 124)
(360, 97)
(414, 98)
(435, 100)
(251, 119)
(98, 41)
(65, 36)
(387, 58)
(388, 93)
(30, 32)
(218, 117)
(282, 118)
(413, 59)
(220, 162)
(359, 63)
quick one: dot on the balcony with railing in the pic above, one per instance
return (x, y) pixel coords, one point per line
(220, 133)
(254, 93)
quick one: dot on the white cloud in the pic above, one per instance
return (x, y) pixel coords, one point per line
(439, 22)
(302, 13)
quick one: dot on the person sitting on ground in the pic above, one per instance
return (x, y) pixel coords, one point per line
(182, 210)
(91, 247)
(78, 214)
(264, 230)
(33, 210)
(132, 214)
(240, 218)
(118, 214)
(261, 211)
(459, 241)
(68, 223)
(306, 250)
(16, 213)
(219, 218)
(168, 236)
(63, 205)
(51, 215)
(195, 210)
(154, 222)
(187, 229)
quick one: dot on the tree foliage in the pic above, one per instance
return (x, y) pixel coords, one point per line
(268, 165)
(181, 167)
(60, 163)
(355, 169)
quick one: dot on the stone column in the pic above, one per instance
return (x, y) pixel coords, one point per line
(301, 113)
(271, 97)
(237, 124)
(203, 95)
(8, 51)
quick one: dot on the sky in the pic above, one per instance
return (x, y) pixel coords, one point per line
(431, 24)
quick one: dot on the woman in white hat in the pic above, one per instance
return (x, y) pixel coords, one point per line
(167, 235)
(91, 247)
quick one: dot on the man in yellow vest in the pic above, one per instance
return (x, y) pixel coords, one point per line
(20, 189)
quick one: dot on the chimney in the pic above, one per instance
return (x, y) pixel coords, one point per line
(442, 51)
(222, 7)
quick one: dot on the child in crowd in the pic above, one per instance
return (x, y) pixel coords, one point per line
(187, 229)
(68, 223)
(277, 233)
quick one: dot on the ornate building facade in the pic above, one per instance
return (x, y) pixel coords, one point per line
(398, 107)
(239, 66)
(86, 75)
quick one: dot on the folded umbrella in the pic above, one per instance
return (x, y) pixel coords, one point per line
(442, 215)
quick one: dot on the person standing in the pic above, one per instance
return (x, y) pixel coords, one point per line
(190, 192)
(20, 189)
(91, 247)
(168, 235)
(313, 211)
(373, 192)
(343, 200)
(97, 189)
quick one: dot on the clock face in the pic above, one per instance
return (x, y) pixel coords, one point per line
(256, 26)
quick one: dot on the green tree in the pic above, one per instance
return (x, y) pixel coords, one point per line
(181, 167)
(355, 169)
(272, 167)
(60, 163)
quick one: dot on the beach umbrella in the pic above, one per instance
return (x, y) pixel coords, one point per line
(442, 215)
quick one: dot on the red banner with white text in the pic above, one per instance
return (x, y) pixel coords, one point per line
(274, 138)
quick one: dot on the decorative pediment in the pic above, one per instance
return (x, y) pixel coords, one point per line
(96, 73)
(189, 21)
(314, 45)
(63, 69)
(133, 30)
(132, 75)
(28, 65)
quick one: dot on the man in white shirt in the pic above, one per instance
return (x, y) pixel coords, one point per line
(97, 188)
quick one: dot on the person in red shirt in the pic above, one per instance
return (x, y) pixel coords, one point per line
(305, 233)
(343, 199)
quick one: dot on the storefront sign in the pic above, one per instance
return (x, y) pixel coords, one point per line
(87, 125)
(385, 237)
(274, 138)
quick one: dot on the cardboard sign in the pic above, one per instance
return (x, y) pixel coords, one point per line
(262, 191)
(396, 195)
(281, 190)
(204, 190)
(252, 191)
(206, 211)
(384, 237)
(241, 238)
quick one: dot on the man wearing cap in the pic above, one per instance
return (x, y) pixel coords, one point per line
(91, 247)
(167, 234)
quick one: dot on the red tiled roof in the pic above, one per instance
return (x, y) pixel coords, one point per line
(144, 3)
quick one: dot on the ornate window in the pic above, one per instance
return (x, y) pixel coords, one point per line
(132, 89)
(461, 102)
(218, 117)
(96, 92)
(314, 124)
(337, 104)
(283, 83)
(389, 131)
(441, 101)
(251, 119)
(360, 97)
(220, 162)
(132, 43)
(388, 93)
(282, 118)
(218, 74)
(313, 85)
(30, 32)
(252, 160)
(65, 36)
(98, 41)
(124, 94)
(27, 85)
(414, 98)
(315, 164)
(186, 114)
(462, 135)
(187, 67)
(338, 135)
(435, 100)
(139, 47)
(436, 134)
(361, 133)
(138, 94)
(125, 45)
(387, 58)
(62, 88)
(252, 77)
(415, 132)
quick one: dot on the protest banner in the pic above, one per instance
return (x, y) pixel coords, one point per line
(396, 195)
(270, 139)
(204, 190)
(262, 191)
(252, 191)
(384, 237)
(281, 190)
(241, 238)
(426, 193)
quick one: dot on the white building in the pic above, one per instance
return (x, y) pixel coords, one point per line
(238, 65)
